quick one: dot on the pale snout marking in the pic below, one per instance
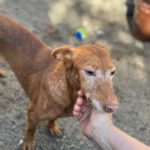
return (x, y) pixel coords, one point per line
(97, 105)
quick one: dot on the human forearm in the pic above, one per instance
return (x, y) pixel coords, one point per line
(98, 127)
(112, 138)
(122, 141)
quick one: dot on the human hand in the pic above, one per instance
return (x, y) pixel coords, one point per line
(82, 110)
(88, 116)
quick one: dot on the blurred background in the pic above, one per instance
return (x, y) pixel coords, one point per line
(56, 22)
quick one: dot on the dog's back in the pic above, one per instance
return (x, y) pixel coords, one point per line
(25, 53)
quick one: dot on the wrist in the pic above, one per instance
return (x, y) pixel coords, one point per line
(100, 123)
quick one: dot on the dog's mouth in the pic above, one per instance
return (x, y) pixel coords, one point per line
(96, 104)
(89, 100)
(87, 97)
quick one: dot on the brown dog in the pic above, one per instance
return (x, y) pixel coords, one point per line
(51, 78)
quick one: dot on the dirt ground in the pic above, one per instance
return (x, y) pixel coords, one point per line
(106, 24)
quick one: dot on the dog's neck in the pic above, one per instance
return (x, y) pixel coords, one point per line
(73, 80)
(73, 83)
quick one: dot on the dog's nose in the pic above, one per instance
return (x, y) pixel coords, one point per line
(111, 107)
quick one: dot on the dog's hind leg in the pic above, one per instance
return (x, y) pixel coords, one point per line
(54, 128)
(32, 121)
(2, 73)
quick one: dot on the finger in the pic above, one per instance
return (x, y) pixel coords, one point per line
(76, 113)
(82, 105)
(80, 93)
(77, 108)
(80, 101)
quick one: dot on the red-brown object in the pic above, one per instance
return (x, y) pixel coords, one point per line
(140, 20)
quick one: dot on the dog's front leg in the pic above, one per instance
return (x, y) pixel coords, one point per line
(32, 121)
(54, 128)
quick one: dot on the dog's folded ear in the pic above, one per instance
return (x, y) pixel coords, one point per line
(65, 54)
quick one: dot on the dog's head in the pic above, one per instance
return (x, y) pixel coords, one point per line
(95, 71)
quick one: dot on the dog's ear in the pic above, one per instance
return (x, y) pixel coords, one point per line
(64, 53)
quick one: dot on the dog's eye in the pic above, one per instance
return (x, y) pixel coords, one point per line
(112, 72)
(90, 73)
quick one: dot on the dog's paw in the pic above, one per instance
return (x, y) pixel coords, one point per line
(55, 129)
(2, 73)
(28, 145)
